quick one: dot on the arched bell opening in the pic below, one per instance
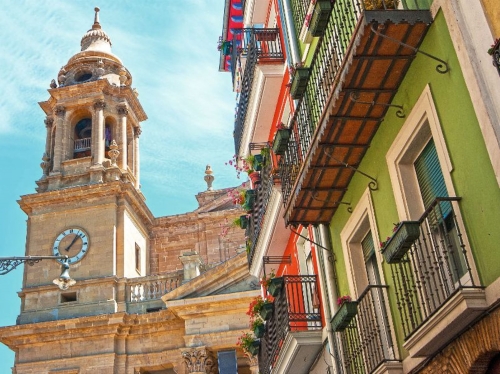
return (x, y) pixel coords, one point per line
(82, 138)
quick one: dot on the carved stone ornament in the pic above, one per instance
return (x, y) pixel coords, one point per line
(113, 152)
(59, 110)
(122, 109)
(45, 164)
(137, 131)
(99, 104)
(49, 121)
(199, 360)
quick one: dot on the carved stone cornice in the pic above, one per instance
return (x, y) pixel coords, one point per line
(99, 104)
(49, 121)
(59, 111)
(199, 360)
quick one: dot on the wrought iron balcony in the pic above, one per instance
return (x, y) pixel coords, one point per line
(367, 340)
(435, 267)
(250, 47)
(355, 72)
(262, 196)
(296, 311)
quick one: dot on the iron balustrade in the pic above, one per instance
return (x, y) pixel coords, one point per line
(300, 9)
(434, 268)
(367, 340)
(326, 66)
(249, 47)
(82, 144)
(262, 196)
(296, 309)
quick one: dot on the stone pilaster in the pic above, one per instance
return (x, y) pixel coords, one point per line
(59, 112)
(98, 132)
(137, 133)
(122, 113)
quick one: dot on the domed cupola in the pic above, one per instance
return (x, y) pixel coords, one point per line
(96, 39)
(95, 61)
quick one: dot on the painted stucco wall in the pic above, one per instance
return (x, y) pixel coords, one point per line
(472, 176)
(492, 10)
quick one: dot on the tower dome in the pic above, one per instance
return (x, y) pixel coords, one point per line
(94, 61)
(96, 38)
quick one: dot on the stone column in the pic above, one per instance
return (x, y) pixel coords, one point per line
(59, 111)
(49, 121)
(122, 113)
(199, 361)
(137, 133)
(98, 132)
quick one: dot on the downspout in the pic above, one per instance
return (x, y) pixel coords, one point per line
(294, 50)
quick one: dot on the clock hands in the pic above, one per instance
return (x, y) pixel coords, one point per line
(72, 242)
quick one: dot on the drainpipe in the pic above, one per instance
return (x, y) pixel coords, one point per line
(330, 291)
(294, 50)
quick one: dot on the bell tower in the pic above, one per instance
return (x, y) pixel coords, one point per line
(93, 119)
(88, 203)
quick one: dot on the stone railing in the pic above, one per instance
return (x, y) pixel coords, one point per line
(152, 287)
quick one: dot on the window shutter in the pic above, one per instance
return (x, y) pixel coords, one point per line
(368, 246)
(430, 177)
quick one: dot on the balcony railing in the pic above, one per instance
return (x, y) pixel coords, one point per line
(82, 144)
(299, 12)
(435, 267)
(151, 287)
(348, 60)
(262, 196)
(367, 340)
(249, 47)
(296, 309)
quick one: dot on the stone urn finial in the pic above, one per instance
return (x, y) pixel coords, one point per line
(209, 178)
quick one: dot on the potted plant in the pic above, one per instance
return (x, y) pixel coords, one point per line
(249, 343)
(242, 221)
(249, 200)
(300, 77)
(258, 327)
(225, 46)
(320, 16)
(380, 4)
(347, 311)
(404, 235)
(261, 306)
(281, 138)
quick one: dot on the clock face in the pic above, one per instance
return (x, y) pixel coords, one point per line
(72, 242)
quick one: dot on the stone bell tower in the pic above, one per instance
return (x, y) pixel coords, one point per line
(93, 119)
(88, 204)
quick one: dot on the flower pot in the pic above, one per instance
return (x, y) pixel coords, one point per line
(399, 243)
(249, 200)
(254, 178)
(280, 143)
(275, 286)
(259, 331)
(226, 48)
(299, 83)
(253, 348)
(380, 4)
(320, 17)
(267, 311)
(344, 315)
(266, 35)
(244, 221)
(258, 160)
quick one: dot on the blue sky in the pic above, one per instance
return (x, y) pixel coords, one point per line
(170, 47)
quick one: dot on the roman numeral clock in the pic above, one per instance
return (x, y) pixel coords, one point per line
(72, 242)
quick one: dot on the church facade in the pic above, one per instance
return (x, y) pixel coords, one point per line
(152, 294)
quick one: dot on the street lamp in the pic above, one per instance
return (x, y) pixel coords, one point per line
(64, 281)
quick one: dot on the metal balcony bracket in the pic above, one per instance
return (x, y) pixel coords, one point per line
(275, 260)
(355, 98)
(441, 68)
(373, 185)
(315, 197)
